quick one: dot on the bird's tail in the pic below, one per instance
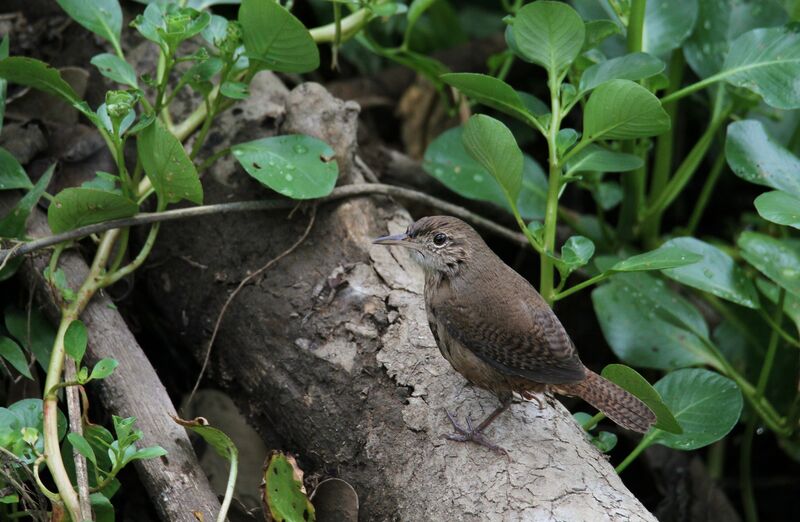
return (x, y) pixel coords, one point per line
(618, 405)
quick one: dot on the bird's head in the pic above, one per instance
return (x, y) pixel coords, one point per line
(438, 243)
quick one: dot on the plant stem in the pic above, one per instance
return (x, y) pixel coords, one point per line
(689, 89)
(50, 407)
(350, 26)
(745, 463)
(662, 164)
(705, 194)
(686, 170)
(716, 459)
(591, 423)
(212, 159)
(580, 286)
(112, 278)
(553, 188)
(226, 501)
(633, 183)
(643, 445)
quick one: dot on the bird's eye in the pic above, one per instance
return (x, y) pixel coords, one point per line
(440, 239)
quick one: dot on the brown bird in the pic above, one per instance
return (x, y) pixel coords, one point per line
(496, 330)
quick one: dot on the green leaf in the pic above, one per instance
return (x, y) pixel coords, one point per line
(635, 66)
(777, 259)
(273, 35)
(37, 74)
(75, 340)
(102, 507)
(113, 67)
(607, 194)
(779, 207)
(755, 157)
(12, 225)
(595, 158)
(215, 437)
(791, 304)
(151, 452)
(667, 23)
(565, 139)
(599, 30)
(12, 353)
(82, 446)
(76, 207)
(767, 62)
(59, 280)
(284, 494)
(491, 92)
(102, 17)
(12, 175)
(604, 441)
(622, 109)
(167, 165)
(549, 34)
(706, 404)
(630, 380)
(297, 166)
(234, 90)
(447, 160)
(103, 368)
(715, 272)
(576, 252)
(658, 259)
(29, 413)
(38, 339)
(626, 312)
(492, 145)
(719, 22)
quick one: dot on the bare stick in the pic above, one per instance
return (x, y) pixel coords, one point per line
(347, 191)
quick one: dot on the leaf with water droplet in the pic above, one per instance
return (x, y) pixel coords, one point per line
(293, 165)
(778, 259)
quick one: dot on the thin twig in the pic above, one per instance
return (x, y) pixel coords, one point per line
(76, 426)
(242, 283)
(347, 191)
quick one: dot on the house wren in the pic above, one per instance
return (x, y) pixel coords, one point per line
(496, 330)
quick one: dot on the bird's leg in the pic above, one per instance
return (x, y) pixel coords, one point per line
(475, 434)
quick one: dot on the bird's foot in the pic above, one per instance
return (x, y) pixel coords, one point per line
(471, 434)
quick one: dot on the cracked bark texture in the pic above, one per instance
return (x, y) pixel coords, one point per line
(331, 349)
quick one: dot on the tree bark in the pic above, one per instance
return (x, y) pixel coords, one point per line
(332, 349)
(175, 483)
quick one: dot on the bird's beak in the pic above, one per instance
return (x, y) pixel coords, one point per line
(397, 239)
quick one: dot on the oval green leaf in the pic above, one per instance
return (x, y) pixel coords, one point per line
(77, 207)
(12, 175)
(113, 67)
(102, 17)
(284, 495)
(625, 312)
(667, 23)
(706, 404)
(634, 66)
(622, 109)
(715, 272)
(658, 259)
(13, 224)
(75, 340)
(12, 353)
(630, 380)
(273, 36)
(767, 61)
(167, 165)
(549, 34)
(36, 337)
(297, 166)
(492, 145)
(778, 259)
(82, 446)
(595, 158)
(755, 157)
(447, 160)
(576, 252)
(779, 207)
(103, 368)
(491, 92)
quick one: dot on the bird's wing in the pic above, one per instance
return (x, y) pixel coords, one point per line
(515, 336)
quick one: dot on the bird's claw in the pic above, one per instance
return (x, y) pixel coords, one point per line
(470, 434)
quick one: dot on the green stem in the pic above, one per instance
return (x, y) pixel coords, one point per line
(350, 26)
(662, 163)
(745, 464)
(226, 501)
(580, 286)
(113, 277)
(213, 158)
(633, 183)
(716, 459)
(643, 445)
(591, 423)
(553, 189)
(705, 194)
(689, 89)
(686, 170)
(776, 327)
